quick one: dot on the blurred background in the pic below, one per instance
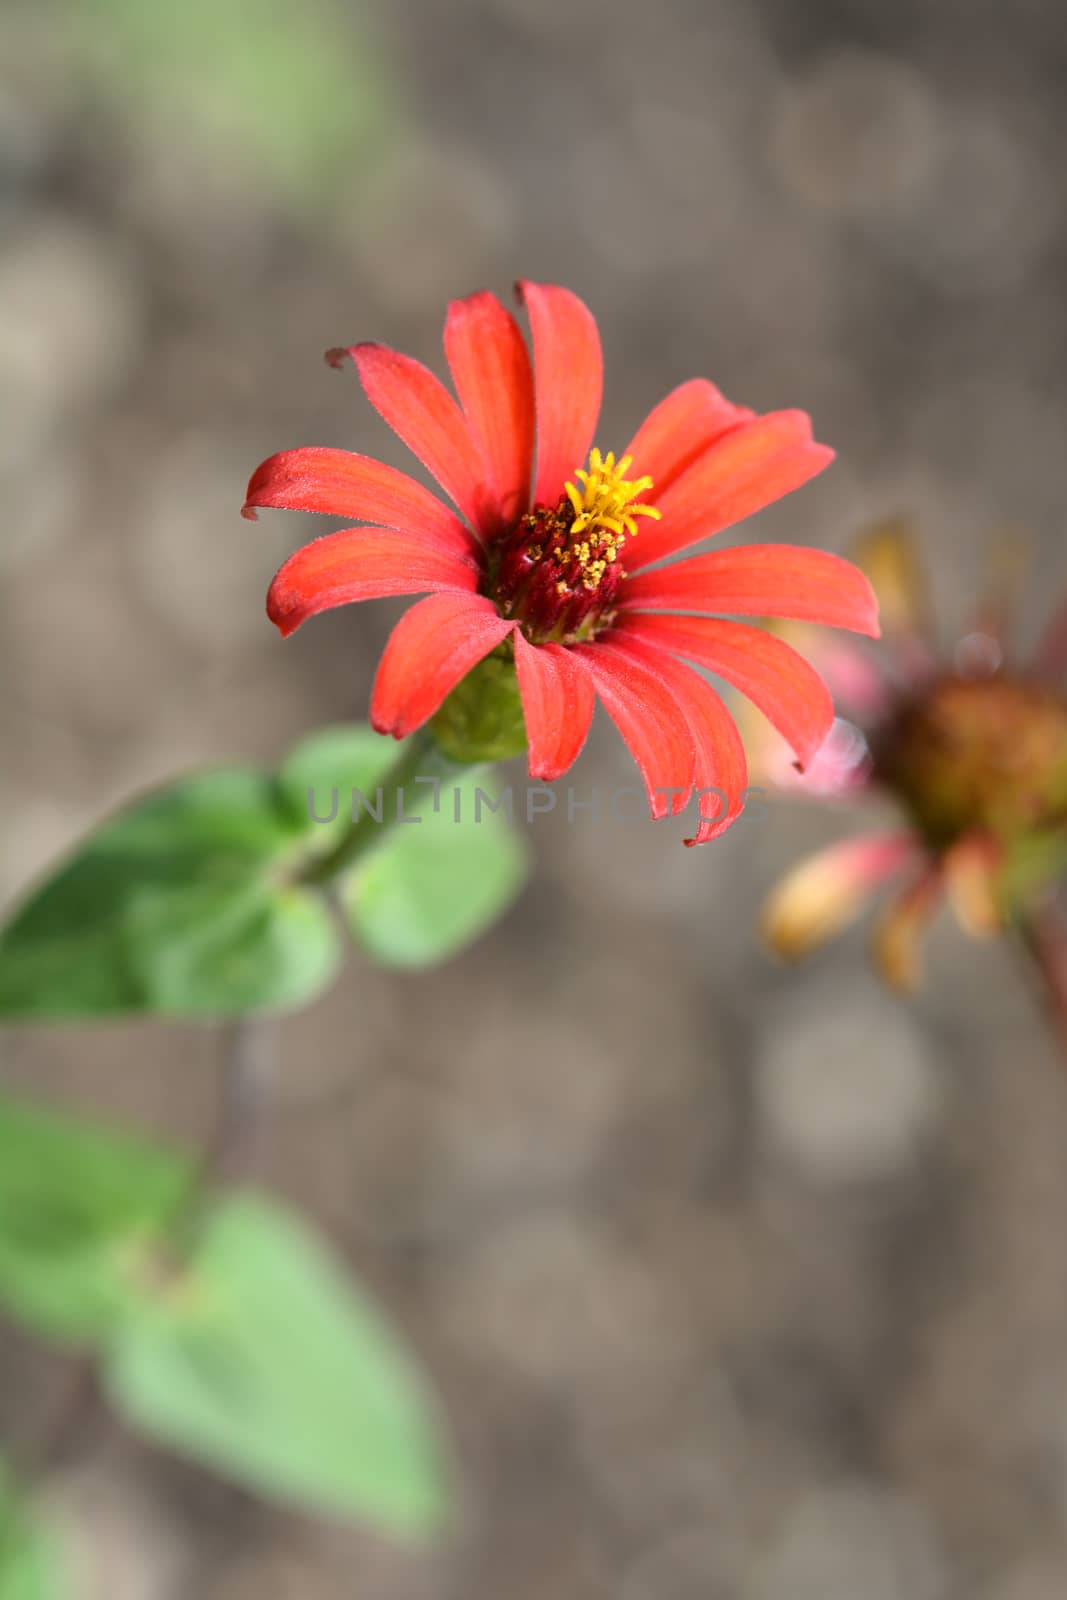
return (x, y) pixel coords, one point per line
(737, 1283)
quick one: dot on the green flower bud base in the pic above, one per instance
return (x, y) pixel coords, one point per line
(482, 718)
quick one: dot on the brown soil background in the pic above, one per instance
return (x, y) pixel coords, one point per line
(737, 1283)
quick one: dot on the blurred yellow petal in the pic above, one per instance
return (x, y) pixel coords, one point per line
(820, 897)
(971, 867)
(888, 553)
(897, 942)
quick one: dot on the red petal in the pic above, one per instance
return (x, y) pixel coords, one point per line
(568, 383)
(648, 716)
(420, 409)
(343, 484)
(557, 701)
(858, 684)
(720, 773)
(772, 674)
(763, 580)
(361, 564)
(491, 370)
(432, 647)
(749, 468)
(684, 424)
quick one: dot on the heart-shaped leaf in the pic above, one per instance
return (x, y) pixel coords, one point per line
(181, 905)
(263, 1363)
(77, 1205)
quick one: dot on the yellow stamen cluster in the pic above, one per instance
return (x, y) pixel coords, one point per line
(606, 508)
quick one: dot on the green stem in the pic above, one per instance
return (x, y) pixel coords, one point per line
(419, 757)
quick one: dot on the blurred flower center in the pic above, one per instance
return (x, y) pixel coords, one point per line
(978, 754)
(558, 571)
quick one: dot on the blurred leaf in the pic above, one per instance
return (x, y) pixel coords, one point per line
(249, 1352)
(178, 905)
(427, 887)
(265, 1365)
(434, 885)
(190, 902)
(76, 1205)
(283, 92)
(30, 1567)
(348, 757)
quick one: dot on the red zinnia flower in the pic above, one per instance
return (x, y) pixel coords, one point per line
(563, 566)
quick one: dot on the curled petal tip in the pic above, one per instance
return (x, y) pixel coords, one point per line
(337, 355)
(249, 512)
(470, 299)
(547, 771)
(281, 620)
(522, 286)
(870, 624)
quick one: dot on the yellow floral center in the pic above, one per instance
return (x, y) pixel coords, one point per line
(558, 570)
(606, 508)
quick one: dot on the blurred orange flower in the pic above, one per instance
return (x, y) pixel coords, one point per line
(972, 747)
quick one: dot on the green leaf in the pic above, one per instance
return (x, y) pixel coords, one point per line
(435, 884)
(263, 1364)
(197, 899)
(426, 887)
(251, 1354)
(77, 1208)
(178, 905)
(325, 770)
(30, 1566)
